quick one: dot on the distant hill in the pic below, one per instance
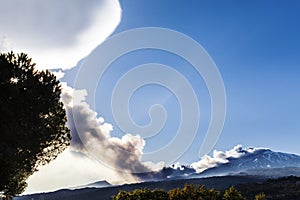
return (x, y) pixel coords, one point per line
(98, 184)
(287, 188)
(106, 193)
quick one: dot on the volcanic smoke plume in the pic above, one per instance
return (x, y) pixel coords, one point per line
(91, 136)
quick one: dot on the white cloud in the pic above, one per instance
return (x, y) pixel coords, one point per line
(220, 157)
(59, 74)
(56, 34)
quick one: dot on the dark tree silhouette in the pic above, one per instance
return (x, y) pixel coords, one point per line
(32, 121)
(188, 192)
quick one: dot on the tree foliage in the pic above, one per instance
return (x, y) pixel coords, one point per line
(233, 194)
(188, 192)
(197, 192)
(260, 196)
(141, 194)
(32, 122)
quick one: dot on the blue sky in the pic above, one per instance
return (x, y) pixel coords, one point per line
(255, 45)
(256, 48)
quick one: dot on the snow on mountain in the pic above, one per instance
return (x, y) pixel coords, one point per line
(254, 160)
(250, 161)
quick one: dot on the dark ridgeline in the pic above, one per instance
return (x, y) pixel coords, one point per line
(287, 188)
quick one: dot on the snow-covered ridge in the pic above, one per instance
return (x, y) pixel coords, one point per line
(235, 161)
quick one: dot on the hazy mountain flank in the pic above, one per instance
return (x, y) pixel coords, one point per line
(250, 167)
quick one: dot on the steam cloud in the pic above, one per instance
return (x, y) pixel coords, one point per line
(180, 171)
(90, 133)
(91, 136)
(220, 157)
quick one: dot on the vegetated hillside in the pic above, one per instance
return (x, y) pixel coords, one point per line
(287, 188)
(219, 183)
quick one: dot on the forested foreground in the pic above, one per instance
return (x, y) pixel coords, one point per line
(189, 191)
(284, 188)
(287, 188)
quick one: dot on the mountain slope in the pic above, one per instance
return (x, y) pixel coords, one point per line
(98, 184)
(237, 167)
(251, 161)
